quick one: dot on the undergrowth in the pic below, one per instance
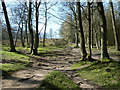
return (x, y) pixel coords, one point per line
(58, 81)
(105, 73)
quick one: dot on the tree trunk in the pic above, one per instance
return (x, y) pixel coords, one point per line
(104, 52)
(17, 34)
(76, 26)
(12, 46)
(44, 36)
(26, 34)
(16, 37)
(77, 34)
(89, 19)
(30, 28)
(26, 29)
(92, 35)
(22, 40)
(82, 41)
(36, 34)
(114, 26)
(96, 39)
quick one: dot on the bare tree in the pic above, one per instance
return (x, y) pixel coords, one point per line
(30, 28)
(12, 46)
(89, 20)
(82, 40)
(44, 36)
(72, 8)
(104, 52)
(114, 26)
(22, 37)
(36, 34)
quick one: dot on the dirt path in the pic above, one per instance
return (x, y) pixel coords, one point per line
(32, 77)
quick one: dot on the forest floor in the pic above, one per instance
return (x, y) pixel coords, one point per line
(62, 60)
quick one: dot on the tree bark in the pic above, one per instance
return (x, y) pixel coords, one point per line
(96, 39)
(22, 40)
(36, 34)
(17, 34)
(114, 26)
(92, 35)
(44, 36)
(82, 40)
(26, 25)
(76, 26)
(26, 34)
(89, 20)
(30, 28)
(12, 46)
(104, 52)
(16, 37)
(77, 33)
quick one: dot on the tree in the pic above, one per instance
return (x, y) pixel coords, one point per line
(89, 20)
(12, 46)
(17, 34)
(67, 31)
(82, 40)
(26, 24)
(104, 52)
(36, 34)
(44, 36)
(22, 37)
(72, 8)
(30, 28)
(18, 19)
(114, 26)
(51, 33)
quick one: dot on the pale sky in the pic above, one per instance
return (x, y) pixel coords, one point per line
(51, 22)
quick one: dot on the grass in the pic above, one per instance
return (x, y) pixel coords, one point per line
(50, 48)
(13, 55)
(48, 51)
(58, 81)
(104, 73)
(8, 67)
(12, 62)
(80, 64)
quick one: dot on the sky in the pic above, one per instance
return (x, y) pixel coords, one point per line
(64, 0)
(52, 21)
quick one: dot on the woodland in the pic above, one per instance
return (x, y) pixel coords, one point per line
(60, 45)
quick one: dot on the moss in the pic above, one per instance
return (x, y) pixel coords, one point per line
(8, 67)
(80, 64)
(105, 74)
(12, 62)
(48, 51)
(13, 55)
(58, 81)
(6, 48)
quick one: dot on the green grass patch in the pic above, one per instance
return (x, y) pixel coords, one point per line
(58, 81)
(12, 61)
(23, 49)
(5, 48)
(114, 52)
(48, 51)
(80, 64)
(13, 55)
(8, 67)
(105, 74)
(49, 48)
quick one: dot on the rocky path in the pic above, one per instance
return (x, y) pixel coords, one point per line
(32, 77)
